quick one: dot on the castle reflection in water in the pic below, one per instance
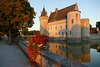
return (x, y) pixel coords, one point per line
(77, 52)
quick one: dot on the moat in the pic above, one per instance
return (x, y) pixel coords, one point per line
(84, 53)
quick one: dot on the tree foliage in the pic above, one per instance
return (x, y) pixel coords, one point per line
(15, 14)
(33, 32)
(25, 31)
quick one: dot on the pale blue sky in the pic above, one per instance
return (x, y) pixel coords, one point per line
(89, 9)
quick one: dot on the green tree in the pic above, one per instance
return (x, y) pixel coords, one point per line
(15, 14)
(98, 24)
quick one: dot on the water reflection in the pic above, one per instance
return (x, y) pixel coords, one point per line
(96, 46)
(76, 52)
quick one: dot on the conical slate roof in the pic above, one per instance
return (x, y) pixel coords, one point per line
(43, 13)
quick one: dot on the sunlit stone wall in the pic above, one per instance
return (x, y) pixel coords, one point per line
(57, 28)
(85, 28)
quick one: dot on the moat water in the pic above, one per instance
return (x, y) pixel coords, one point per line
(84, 53)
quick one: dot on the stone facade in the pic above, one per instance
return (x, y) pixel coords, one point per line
(65, 24)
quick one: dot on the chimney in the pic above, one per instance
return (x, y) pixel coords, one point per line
(56, 10)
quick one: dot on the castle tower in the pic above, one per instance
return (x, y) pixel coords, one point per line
(85, 28)
(74, 25)
(43, 22)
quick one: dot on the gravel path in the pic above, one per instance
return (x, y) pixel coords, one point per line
(12, 56)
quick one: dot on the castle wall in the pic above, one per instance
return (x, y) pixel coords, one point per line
(74, 26)
(57, 28)
(85, 28)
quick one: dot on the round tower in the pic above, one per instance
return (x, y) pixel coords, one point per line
(43, 22)
(74, 26)
(85, 28)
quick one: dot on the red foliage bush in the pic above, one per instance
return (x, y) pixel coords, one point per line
(37, 43)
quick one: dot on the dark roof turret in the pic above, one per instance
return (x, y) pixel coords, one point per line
(44, 13)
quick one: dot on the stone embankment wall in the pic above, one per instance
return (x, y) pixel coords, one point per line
(95, 36)
(49, 59)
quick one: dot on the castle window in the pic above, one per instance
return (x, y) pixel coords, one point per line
(59, 33)
(66, 33)
(56, 33)
(76, 15)
(72, 20)
(48, 33)
(61, 52)
(60, 27)
(62, 33)
(70, 32)
(51, 28)
(56, 46)
(56, 52)
(56, 27)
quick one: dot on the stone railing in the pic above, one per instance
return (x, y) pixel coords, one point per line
(49, 59)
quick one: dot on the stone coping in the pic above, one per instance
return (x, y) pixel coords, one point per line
(22, 42)
(65, 62)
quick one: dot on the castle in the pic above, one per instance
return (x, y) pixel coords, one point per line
(65, 24)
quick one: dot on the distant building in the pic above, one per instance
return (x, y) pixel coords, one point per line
(65, 24)
(92, 30)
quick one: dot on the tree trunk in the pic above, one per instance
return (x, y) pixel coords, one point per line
(9, 38)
